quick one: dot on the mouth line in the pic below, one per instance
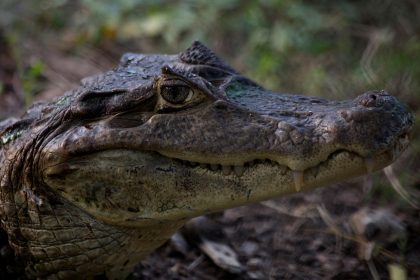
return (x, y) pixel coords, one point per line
(367, 164)
(395, 150)
(298, 175)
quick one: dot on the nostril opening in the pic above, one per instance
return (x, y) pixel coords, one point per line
(372, 96)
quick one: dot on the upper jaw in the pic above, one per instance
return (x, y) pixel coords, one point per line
(306, 155)
(226, 134)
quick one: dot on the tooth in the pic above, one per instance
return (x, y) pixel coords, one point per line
(370, 165)
(404, 140)
(226, 169)
(214, 167)
(298, 178)
(395, 152)
(239, 170)
(392, 153)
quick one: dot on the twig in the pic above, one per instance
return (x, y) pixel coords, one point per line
(303, 212)
(329, 221)
(373, 270)
(195, 263)
(389, 173)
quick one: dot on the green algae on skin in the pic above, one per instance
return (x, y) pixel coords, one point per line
(63, 101)
(10, 136)
(237, 89)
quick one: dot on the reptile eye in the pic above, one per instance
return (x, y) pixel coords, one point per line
(176, 94)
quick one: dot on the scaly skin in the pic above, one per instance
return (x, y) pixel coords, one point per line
(98, 179)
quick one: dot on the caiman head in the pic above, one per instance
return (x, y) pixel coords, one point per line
(163, 138)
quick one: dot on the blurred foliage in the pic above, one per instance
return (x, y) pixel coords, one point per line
(329, 48)
(32, 82)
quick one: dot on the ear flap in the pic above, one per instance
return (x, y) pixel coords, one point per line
(199, 54)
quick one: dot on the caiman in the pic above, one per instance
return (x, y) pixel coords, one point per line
(96, 180)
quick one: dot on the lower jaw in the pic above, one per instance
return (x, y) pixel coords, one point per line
(339, 166)
(207, 191)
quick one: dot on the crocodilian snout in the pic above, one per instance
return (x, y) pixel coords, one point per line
(381, 100)
(379, 121)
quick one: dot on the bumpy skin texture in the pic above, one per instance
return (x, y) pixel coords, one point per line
(94, 181)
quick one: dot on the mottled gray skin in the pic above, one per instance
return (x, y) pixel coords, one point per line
(94, 181)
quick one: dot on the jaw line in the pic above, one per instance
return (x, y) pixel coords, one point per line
(370, 164)
(252, 167)
(301, 178)
(213, 189)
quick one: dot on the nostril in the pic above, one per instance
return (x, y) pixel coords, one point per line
(371, 99)
(368, 102)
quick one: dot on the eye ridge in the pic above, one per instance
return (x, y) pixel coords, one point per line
(176, 94)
